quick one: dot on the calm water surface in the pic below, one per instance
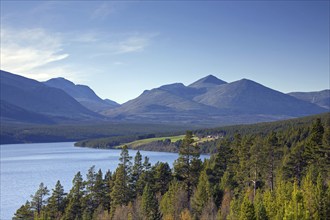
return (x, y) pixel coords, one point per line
(24, 166)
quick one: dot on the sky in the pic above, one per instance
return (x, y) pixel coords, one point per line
(121, 48)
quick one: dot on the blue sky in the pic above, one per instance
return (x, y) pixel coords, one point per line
(120, 49)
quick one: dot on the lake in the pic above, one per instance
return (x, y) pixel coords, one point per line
(25, 166)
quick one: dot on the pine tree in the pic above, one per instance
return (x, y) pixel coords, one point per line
(137, 170)
(163, 177)
(24, 212)
(260, 210)
(295, 163)
(257, 162)
(38, 199)
(317, 149)
(243, 167)
(56, 202)
(202, 194)
(150, 204)
(295, 209)
(145, 177)
(125, 160)
(174, 201)
(120, 191)
(89, 201)
(75, 196)
(221, 161)
(187, 167)
(108, 184)
(100, 190)
(273, 156)
(247, 210)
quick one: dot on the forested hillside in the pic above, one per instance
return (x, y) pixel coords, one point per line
(271, 175)
(207, 139)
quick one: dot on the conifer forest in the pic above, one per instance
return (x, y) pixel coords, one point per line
(283, 174)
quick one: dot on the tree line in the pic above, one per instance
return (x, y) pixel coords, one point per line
(269, 175)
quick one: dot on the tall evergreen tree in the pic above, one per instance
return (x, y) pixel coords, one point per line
(243, 167)
(188, 165)
(145, 177)
(137, 170)
(150, 204)
(247, 210)
(56, 202)
(75, 197)
(162, 176)
(89, 202)
(108, 183)
(125, 160)
(174, 201)
(38, 199)
(257, 163)
(120, 191)
(24, 212)
(295, 163)
(202, 194)
(273, 157)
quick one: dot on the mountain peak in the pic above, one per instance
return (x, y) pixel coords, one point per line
(207, 81)
(59, 80)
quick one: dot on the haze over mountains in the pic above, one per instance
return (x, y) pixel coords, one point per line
(207, 101)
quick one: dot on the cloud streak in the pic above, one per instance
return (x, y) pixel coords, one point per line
(41, 55)
(25, 51)
(102, 11)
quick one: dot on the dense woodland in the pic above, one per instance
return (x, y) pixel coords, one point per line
(274, 174)
(208, 147)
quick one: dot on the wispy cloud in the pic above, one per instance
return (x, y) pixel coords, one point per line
(131, 44)
(102, 11)
(26, 51)
(103, 44)
(41, 55)
(128, 43)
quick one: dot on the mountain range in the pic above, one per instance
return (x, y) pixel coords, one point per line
(212, 100)
(320, 98)
(83, 94)
(207, 101)
(29, 101)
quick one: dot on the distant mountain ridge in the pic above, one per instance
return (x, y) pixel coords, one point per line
(320, 98)
(213, 100)
(208, 101)
(24, 100)
(83, 94)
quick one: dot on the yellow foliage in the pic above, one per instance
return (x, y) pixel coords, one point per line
(185, 215)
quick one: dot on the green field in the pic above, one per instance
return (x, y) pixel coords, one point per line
(135, 144)
(138, 143)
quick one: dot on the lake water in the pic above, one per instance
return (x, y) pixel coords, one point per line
(25, 166)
